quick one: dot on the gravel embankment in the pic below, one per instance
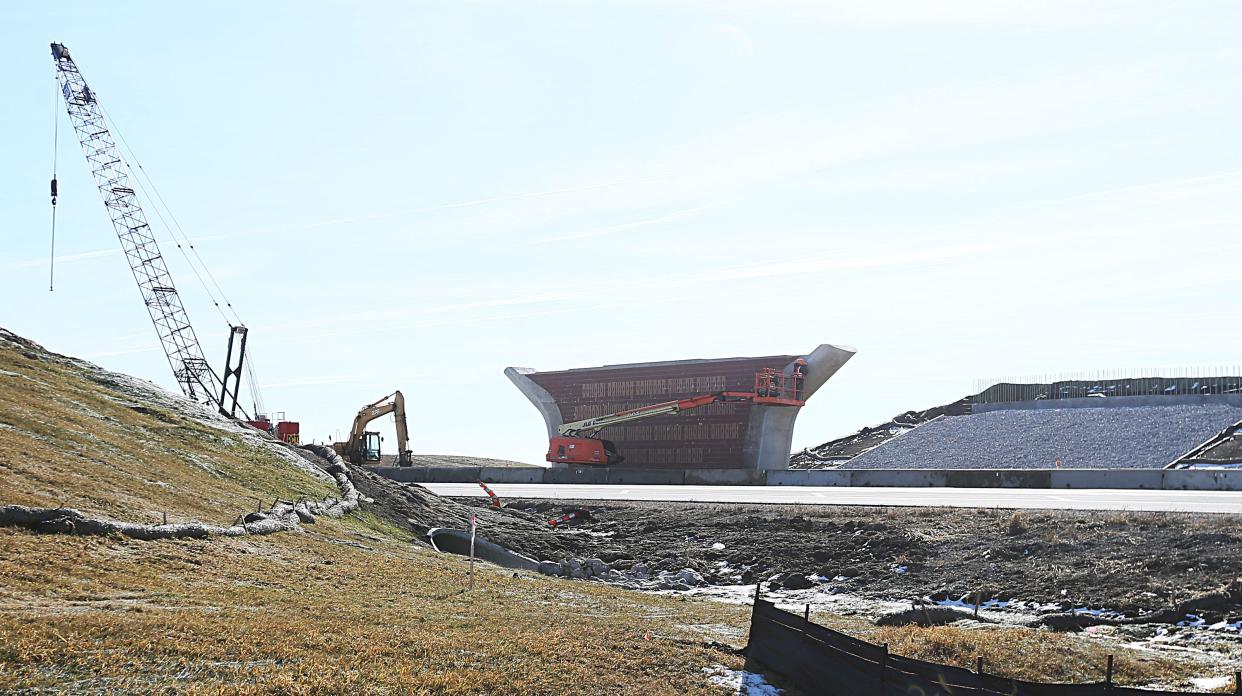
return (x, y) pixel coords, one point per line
(1084, 438)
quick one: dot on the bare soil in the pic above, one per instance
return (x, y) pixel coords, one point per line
(1128, 562)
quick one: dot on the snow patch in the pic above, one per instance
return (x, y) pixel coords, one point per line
(740, 682)
(1211, 682)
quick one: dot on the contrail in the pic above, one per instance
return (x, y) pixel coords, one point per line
(611, 229)
(1137, 187)
(67, 258)
(432, 208)
(33, 263)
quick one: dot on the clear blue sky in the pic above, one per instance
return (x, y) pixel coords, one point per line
(417, 195)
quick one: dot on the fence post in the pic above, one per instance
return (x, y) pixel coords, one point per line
(883, 663)
(806, 614)
(979, 666)
(1237, 682)
(1108, 673)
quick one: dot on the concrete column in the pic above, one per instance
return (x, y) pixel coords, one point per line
(769, 432)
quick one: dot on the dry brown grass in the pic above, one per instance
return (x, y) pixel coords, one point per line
(1031, 655)
(67, 440)
(313, 613)
(305, 613)
(295, 612)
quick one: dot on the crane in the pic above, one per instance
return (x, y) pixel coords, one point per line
(172, 324)
(577, 442)
(364, 445)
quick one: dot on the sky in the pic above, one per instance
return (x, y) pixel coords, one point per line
(414, 196)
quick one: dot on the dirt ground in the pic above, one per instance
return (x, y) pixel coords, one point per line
(1127, 562)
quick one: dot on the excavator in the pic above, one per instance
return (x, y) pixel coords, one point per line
(577, 443)
(364, 445)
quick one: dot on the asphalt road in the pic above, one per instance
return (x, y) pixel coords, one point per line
(1087, 499)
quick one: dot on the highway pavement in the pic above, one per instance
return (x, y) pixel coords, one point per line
(1027, 498)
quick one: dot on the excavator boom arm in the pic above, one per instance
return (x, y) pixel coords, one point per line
(393, 403)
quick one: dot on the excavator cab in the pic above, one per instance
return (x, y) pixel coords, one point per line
(371, 446)
(363, 446)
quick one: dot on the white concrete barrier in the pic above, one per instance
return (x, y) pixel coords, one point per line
(1143, 479)
(1203, 479)
(809, 477)
(1147, 479)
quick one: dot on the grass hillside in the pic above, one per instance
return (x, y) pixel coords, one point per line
(345, 605)
(339, 606)
(74, 435)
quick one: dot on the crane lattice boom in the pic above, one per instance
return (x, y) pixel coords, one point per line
(172, 324)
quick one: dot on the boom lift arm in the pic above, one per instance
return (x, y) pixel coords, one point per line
(577, 442)
(363, 445)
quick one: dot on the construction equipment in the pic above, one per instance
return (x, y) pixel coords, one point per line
(189, 365)
(364, 445)
(283, 430)
(577, 442)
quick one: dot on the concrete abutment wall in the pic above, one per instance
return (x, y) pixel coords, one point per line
(737, 435)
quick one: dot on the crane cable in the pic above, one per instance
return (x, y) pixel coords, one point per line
(256, 397)
(173, 230)
(148, 188)
(51, 269)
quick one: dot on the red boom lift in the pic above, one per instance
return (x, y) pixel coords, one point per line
(577, 442)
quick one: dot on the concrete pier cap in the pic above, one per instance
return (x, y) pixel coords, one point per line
(720, 436)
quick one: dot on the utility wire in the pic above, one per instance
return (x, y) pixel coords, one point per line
(51, 266)
(256, 396)
(142, 189)
(173, 230)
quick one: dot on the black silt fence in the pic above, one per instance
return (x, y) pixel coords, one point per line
(818, 660)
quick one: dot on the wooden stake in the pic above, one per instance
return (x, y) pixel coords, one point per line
(979, 666)
(165, 517)
(1108, 674)
(883, 663)
(806, 613)
(472, 527)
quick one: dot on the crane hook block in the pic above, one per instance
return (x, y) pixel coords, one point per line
(53, 190)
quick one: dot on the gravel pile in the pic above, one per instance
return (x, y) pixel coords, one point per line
(1082, 438)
